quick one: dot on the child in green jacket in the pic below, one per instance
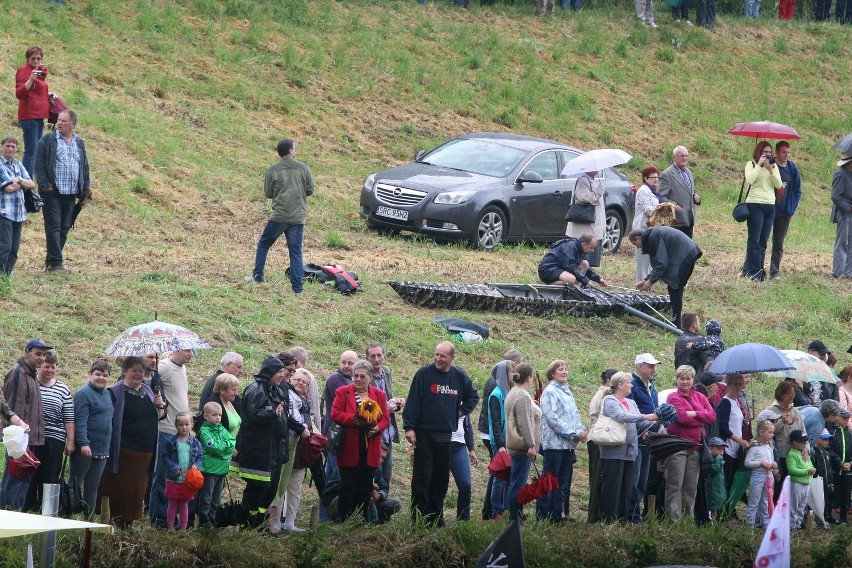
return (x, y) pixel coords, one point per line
(217, 445)
(800, 469)
(716, 492)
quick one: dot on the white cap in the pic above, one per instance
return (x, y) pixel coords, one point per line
(646, 358)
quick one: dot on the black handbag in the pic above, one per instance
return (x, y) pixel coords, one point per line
(336, 434)
(32, 201)
(740, 212)
(581, 213)
(705, 457)
(232, 513)
(70, 497)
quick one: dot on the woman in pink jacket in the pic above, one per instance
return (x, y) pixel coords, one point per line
(33, 103)
(682, 468)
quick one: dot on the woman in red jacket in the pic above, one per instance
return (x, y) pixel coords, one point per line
(33, 104)
(694, 413)
(361, 453)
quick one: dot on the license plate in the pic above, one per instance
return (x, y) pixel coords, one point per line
(398, 214)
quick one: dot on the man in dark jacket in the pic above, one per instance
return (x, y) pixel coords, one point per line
(23, 395)
(440, 394)
(673, 256)
(262, 439)
(786, 206)
(690, 324)
(62, 174)
(565, 262)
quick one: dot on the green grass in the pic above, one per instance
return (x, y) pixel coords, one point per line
(181, 103)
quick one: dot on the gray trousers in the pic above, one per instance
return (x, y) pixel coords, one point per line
(842, 263)
(645, 10)
(757, 513)
(682, 471)
(798, 500)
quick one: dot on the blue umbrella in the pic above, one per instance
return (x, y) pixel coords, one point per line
(750, 358)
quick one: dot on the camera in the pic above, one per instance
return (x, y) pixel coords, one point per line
(771, 160)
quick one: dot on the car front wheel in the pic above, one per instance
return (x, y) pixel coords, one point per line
(490, 229)
(614, 231)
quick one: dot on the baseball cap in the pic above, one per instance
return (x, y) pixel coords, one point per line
(825, 433)
(798, 436)
(818, 346)
(707, 378)
(845, 413)
(716, 441)
(37, 342)
(646, 358)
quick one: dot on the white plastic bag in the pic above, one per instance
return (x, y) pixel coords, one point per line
(16, 441)
(816, 500)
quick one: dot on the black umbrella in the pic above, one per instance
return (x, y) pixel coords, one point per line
(664, 445)
(844, 144)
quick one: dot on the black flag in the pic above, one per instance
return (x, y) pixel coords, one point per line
(505, 551)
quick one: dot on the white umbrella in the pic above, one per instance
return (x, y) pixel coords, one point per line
(595, 161)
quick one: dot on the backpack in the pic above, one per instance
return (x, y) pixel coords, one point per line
(345, 282)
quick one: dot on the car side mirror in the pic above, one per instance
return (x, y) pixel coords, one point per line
(419, 154)
(529, 177)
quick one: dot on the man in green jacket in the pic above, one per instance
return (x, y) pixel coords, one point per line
(288, 184)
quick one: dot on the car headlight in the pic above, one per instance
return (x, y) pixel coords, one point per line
(370, 183)
(454, 197)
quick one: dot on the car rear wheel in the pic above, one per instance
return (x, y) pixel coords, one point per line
(490, 229)
(614, 231)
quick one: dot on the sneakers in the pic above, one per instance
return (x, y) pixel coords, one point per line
(652, 25)
(253, 280)
(688, 23)
(292, 529)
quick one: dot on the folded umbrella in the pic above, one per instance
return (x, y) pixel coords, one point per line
(665, 445)
(538, 487)
(750, 358)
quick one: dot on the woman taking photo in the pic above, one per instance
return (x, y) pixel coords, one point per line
(561, 432)
(133, 445)
(588, 190)
(618, 462)
(33, 103)
(523, 434)
(361, 452)
(694, 413)
(646, 199)
(763, 179)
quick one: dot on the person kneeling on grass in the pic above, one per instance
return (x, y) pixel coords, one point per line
(566, 263)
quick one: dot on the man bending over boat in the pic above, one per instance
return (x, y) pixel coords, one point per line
(565, 262)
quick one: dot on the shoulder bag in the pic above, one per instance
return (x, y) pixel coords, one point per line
(70, 497)
(32, 201)
(580, 212)
(336, 434)
(607, 431)
(740, 212)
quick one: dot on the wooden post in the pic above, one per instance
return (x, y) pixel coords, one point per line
(106, 518)
(87, 550)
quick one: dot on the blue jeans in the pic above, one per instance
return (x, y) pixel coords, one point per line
(58, 211)
(330, 467)
(561, 464)
(13, 491)
(498, 492)
(681, 11)
(32, 129)
(640, 480)
(575, 5)
(460, 468)
(10, 242)
(751, 8)
(517, 479)
(760, 219)
(293, 234)
(157, 501)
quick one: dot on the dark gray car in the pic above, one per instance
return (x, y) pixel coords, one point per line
(488, 188)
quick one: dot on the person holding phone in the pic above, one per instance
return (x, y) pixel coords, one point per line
(33, 103)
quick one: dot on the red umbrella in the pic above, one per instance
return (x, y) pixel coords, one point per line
(538, 487)
(764, 129)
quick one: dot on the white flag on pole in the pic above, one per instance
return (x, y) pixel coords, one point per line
(774, 550)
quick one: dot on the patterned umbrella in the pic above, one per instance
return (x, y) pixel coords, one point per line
(808, 369)
(154, 337)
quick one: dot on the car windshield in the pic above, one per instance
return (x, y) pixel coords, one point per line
(475, 156)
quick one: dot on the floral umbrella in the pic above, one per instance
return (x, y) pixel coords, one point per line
(154, 337)
(808, 368)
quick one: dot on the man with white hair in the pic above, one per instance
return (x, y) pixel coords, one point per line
(231, 363)
(678, 186)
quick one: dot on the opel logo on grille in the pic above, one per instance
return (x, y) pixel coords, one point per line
(397, 191)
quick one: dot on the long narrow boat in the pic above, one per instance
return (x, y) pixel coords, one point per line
(529, 299)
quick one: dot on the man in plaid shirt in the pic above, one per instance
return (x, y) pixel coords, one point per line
(13, 180)
(62, 173)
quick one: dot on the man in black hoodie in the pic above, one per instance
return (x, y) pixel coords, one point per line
(439, 396)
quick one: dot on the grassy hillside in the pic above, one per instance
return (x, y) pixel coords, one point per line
(181, 103)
